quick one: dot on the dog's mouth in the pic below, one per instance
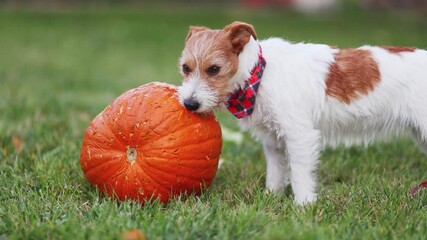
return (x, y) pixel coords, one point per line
(198, 107)
(202, 100)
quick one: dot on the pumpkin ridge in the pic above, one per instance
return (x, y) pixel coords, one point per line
(205, 141)
(109, 128)
(102, 164)
(182, 145)
(89, 171)
(165, 116)
(179, 129)
(119, 187)
(162, 168)
(141, 184)
(123, 183)
(118, 173)
(173, 178)
(152, 129)
(157, 171)
(114, 154)
(112, 132)
(187, 161)
(151, 179)
(154, 166)
(128, 182)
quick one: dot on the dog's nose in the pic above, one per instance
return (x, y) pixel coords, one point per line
(191, 104)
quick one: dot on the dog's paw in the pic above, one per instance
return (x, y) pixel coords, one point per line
(305, 199)
(274, 190)
(268, 192)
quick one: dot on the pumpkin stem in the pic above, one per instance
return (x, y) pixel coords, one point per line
(131, 154)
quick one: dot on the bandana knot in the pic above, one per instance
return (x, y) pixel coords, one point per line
(241, 103)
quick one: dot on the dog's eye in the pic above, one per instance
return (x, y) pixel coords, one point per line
(186, 69)
(213, 70)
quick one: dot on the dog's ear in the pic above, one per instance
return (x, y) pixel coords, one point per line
(194, 30)
(239, 34)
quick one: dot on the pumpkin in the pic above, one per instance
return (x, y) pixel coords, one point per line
(145, 145)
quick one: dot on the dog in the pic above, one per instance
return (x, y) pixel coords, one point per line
(296, 98)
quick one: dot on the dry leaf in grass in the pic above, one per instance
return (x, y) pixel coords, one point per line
(17, 143)
(5, 150)
(134, 235)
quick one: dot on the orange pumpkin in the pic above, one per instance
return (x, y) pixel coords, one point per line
(146, 145)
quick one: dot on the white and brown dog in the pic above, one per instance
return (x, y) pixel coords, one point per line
(307, 95)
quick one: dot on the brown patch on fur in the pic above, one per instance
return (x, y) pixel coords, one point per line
(239, 34)
(353, 73)
(397, 50)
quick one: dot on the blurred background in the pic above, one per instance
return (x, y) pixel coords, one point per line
(63, 61)
(310, 6)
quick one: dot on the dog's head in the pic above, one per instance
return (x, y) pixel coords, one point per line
(210, 63)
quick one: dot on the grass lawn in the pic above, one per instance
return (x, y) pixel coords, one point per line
(58, 69)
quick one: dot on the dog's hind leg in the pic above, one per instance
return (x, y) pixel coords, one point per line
(420, 137)
(418, 118)
(278, 171)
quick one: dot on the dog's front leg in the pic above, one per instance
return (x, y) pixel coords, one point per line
(303, 151)
(277, 168)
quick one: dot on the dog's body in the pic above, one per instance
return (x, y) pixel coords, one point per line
(310, 95)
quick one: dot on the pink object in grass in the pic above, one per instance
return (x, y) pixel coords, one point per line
(421, 185)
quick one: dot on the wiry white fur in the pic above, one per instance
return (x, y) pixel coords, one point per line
(294, 118)
(247, 60)
(196, 88)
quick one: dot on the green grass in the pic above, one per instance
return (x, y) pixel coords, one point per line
(58, 69)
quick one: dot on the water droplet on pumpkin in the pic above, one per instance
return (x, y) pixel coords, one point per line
(179, 163)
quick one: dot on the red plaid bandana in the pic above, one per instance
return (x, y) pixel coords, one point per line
(241, 103)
